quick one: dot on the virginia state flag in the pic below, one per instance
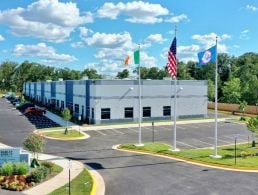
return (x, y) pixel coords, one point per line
(207, 56)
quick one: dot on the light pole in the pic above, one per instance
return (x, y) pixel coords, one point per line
(69, 167)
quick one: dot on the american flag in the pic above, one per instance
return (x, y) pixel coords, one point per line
(171, 65)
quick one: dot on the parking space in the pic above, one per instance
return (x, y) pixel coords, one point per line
(189, 136)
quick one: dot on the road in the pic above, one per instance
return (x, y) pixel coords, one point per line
(128, 173)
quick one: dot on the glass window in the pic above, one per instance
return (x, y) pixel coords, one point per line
(166, 110)
(92, 113)
(129, 112)
(105, 113)
(76, 109)
(62, 104)
(146, 112)
(57, 103)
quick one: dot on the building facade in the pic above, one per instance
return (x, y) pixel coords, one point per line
(106, 101)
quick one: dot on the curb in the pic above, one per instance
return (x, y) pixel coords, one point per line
(85, 136)
(115, 147)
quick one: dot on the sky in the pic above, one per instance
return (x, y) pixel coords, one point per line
(98, 34)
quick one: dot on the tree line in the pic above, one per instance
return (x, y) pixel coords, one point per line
(237, 78)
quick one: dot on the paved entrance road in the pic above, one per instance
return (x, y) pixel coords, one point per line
(127, 173)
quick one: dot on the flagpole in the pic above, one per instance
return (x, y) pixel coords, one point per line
(175, 107)
(215, 155)
(140, 101)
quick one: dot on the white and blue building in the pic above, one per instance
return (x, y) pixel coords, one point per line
(106, 101)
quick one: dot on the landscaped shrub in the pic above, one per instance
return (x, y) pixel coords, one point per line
(48, 165)
(20, 168)
(7, 169)
(14, 182)
(37, 175)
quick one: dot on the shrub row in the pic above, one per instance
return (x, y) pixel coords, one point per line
(9, 169)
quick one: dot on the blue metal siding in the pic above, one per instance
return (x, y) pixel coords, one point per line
(35, 90)
(87, 98)
(30, 89)
(69, 91)
(42, 91)
(53, 89)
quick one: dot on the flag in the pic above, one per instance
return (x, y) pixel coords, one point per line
(136, 56)
(127, 60)
(207, 56)
(171, 65)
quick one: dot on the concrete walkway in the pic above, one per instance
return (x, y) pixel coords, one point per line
(62, 178)
(58, 119)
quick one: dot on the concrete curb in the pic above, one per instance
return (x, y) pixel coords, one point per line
(118, 126)
(187, 161)
(98, 187)
(85, 136)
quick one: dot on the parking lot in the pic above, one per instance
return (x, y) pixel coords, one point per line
(189, 136)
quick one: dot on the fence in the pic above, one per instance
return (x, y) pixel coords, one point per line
(234, 108)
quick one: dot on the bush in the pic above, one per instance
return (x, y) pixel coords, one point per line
(37, 175)
(20, 168)
(48, 165)
(7, 169)
(242, 118)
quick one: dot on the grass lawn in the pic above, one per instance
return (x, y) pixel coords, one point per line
(202, 155)
(81, 185)
(60, 134)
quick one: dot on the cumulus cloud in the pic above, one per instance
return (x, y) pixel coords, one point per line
(2, 38)
(137, 11)
(208, 40)
(251, 8)
(49, 20)
(155, 38)
(177, 19)
(78, 44)
(42, 51)
(244, 35)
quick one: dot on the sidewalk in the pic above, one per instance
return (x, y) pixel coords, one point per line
(58, 119)
(62, 178)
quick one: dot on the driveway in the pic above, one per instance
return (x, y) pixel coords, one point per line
(128, 173)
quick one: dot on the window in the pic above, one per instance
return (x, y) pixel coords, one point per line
(62, 104)
(128, 112)
(92, 113)
(57, 103)
(146, 112)
(76, 109)
(166, 110)
(105, 113)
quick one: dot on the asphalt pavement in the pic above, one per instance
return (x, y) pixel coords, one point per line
(138, 174)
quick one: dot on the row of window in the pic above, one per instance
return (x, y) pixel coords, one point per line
(128, 112)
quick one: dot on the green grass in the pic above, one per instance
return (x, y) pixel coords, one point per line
(81, 185)
(203, 155)
(60, 134)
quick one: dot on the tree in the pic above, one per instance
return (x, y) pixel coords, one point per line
(252, 125)
(211, 90)
(7, 69)
(66, 116)
(35, 144)
(231, 91)
(91, 73)
(123, 74)
(242, 107)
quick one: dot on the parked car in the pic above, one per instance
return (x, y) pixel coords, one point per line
(34, 111)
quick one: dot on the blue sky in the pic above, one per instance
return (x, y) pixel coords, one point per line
(99, 34)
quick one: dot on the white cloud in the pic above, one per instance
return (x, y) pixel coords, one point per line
(184, 53)
(155, 38)
(103, 40)
(177, 19)
(42, 51)
(209, 40)
(251, 8)
(244, 35)
(78, 44)
(49, 20)
(137, 11)
(2, 38)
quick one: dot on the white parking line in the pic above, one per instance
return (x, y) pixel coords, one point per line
(116, 131)
(180, 127)
(133, 130)
(203, 142)
(233, 138)
(187, 144)
(219, 139)
(99, 131)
